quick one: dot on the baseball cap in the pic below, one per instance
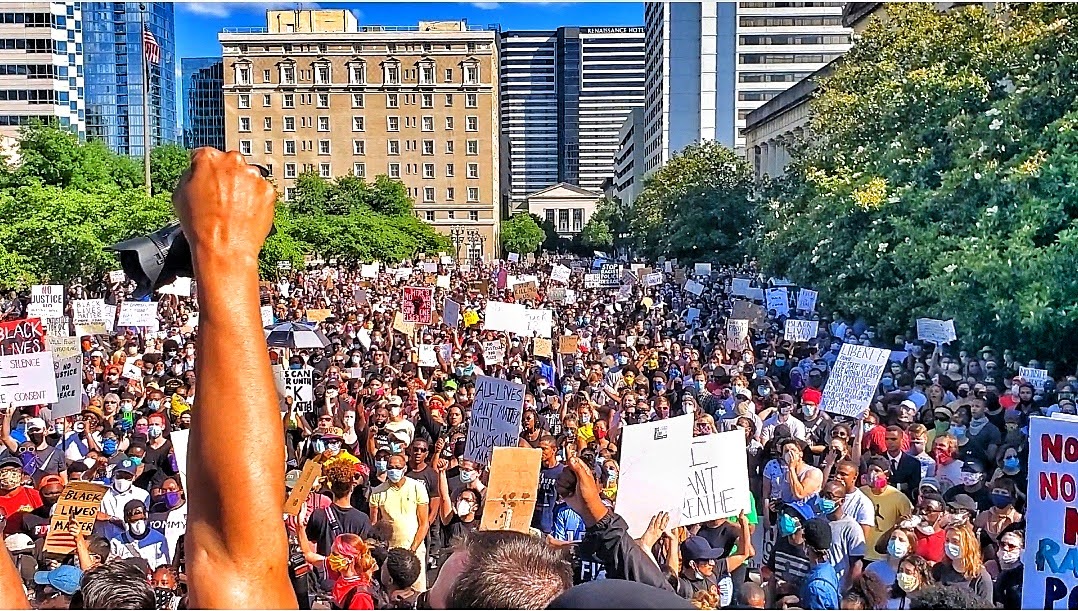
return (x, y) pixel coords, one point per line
(333, 432)
(10, 461)
(930, 482)
(292, 478)
(394, 400)
(698, 548)
(817, 534)
(49, 480)
(964, 501)
(125, 466)
(811, 395)
(943, 411)
(64, 578)
(19, 542)
(35, 424)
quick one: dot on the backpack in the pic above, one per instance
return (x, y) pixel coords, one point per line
(351, 595)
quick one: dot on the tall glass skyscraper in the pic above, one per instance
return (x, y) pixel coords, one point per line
(112, 53)
(202, 83)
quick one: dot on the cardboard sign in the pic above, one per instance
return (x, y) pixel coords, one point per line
(68, 374)
(718, 481)
(179, 441)
(568, 344)
(310, 474)
(526, 291)
(138, 314)
(493, 352)
(24, 336)
(692, 315)
(428, 355)
(557, 294)
(509, 317)
(430, 267)
(27, 379)
(48, 300)
(654, 468)
(853, 380)
(653, 279)
(800, 330)
(417, 303)
(299, 384)
(755, 314)
(318, 315)
(512, 490)
(560, 273)
(131, 370)
(737, 334)
(609, 275)
(806, 300)
(938, 332)
(694, 287)
(78, 502)
(479, 286)
(540, 322)
(701, 269)
(544, 347)
(1036, 377)
(778, 300)
(1049, 577)
(63, 347)
(368, 270)
(407, 328)
(451, 313)
(495, 419)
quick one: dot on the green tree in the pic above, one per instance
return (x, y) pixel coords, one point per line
(167, 163)
(521, 234)
(939, 179)
(596, 233)
(699, 205)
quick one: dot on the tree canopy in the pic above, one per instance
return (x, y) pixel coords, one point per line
(522, 234)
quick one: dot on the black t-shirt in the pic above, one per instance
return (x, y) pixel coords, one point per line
(429, 477)
(455, 532)
(36, 523)
(982, 497)
(723, 537)
(321, 531)
(157, 466)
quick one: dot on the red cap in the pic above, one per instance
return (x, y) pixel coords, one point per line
(49, 479)
(811, 395)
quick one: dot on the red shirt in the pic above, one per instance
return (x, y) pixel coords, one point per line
(15, 503)
(362, 598)
(930, 547)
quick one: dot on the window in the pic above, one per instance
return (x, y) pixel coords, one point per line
(288, 75)
(428, 194)
(394, 170)
(448, 147)
(289, 147)
(243, 75)
(393, 124)
(473, 147)
(266, 100)
(471, 123)
(426, 74)
(563, 220)
(245, 124)
(321, 74)
(358, 123)
(409, 145)
(392, 100)
(323, 170)
(428, 170)
(392, 74)
(323, 147)
(428, 124)
(359, 147)
(549, 214)
(428, 147)
(269, 147)
(578, 219)
(471, 100)
(473, 170)
(449, 99)
(394, 147)
(359, 170)
(323, 100)
(245, 100)
(473, 215)
(288, 100)
(265, 76)
(267, 123)
(289, 193)
(449, 193)
(323, 124)
(428, 215)
(357, 74)
(289, 170)
(449, 170)
(357, 100)
(471, 74)
(451, 215)
(449, 122)
(473, 194)
(448, 78)
(289, 124)
(245, 147)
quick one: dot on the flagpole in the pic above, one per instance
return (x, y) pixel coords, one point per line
(146, 141)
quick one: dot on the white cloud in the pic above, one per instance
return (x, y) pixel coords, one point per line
(487, 6)
(207, 9)
(225, 9)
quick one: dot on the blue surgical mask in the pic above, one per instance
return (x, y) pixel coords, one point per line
(780, 362)
(958, 431)
(826, 506)
(109, 446)
(396, 448)
(295, 366)
(659, 387)
(395, 475)
(467, 476)
(787, 525)
(137, 460)
(566, 389)
(623, 360)
(381, 465)
(1011, 463)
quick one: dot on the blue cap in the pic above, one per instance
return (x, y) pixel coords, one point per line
(64, 578)
(125, 466)
(697, 548)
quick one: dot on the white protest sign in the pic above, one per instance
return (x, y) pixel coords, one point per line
(936, 331)
(179, 446)
(1050, 577)
(131, 370)
(560, 273)
(778, 300)
(702, 269)
(694, 287)
(369, 270)
(591, 281)
(509, 317)
(806, 300)
(117, 275)
(430, 267)
(540, 321)
(741, 287)
(88, 311)
(653, 279)
(1036, 377)
(445, 259)
(654, 468)
(180, 287)
(800, 330)
(625, 292)
(63, 347)
(68, 373)
(853, 380)
(47, 300)
(737, 334)
(451, 313)
(27, 379)
(266, 313)
(442, 282)
(493, 353)
(299, 384)
(514, 257)
(428, 355)
(138, 314)
(718, 481)
(495, 419)
(57, 327)
(364, 337)
(110, 317)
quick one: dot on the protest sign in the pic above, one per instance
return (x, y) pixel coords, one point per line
(47, 300)
(131, 369)
(318, 314)
(544, 347)
(1050, 579)
(451, 313)
(540, 321)
(471, 317)
(718, 480)
(117, 275)
(778, 300)
(560, 273)
(508, 317)
(1036, 377)
(298, 496)
(430, 267)
(694, 287)
(24, 336)
(417, 303)
(369, 270)
(629, 277)
(692, 315)
(359, 295)
(570, 297)
(179, 447)
(180, 287)
(853, 380)
(445, 259)
(737, 334)
(557, 293)
(625, 292)
(702, 269)
(407, 328)
(284, 266)
(442, 281)
(266, 313)
(523, 291)
(495, 418)
(428, 355)
(27, 379)
(654, 468)
(806, 300)
(512, 490)
(88, 311)
(138, 314)
(609, 275)
(568, 344)
(754, 313)
(591, 281)
(653, 279)
(800, 330)
(938, 332)
(63, 347)
(58, 327)
(493, 352)
(514, 257)
(299, 384)
(741, 287)
(79, 503)
(68, 374)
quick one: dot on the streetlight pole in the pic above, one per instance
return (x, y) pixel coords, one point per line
(145, 99)
(456, 234)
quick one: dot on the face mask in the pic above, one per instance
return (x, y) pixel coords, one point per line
(780, 362)
(970, 478)
(121, 485)
(467, 476)
(808, 410)
(622, 360)
(699, 385)
(109, 446)
(172, 499)
(958, 431)
(1008, 557)
(943, 457)
(142, 429)
(826, 506)
(155, 405)
(787, 525)
(337, 563)
(999, 501)
(137, 528)
(786, 411)
(953, 550)
(10, 480)
(463, 508)
(295, 366)
(137, 460)
(155, 431)
(908, 583)
(395, 475)
(897, 548)
(1011, 464)
(396, 448)
(381, 465)
(334, 446)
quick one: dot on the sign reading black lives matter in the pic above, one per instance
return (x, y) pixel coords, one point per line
(853, 380)
(299, 384)
(495, 422)
(610, 275)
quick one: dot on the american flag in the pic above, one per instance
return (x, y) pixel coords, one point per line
(150, 48)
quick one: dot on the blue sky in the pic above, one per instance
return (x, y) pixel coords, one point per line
(197, 24)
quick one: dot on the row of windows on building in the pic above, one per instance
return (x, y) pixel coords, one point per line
(359, 123)
(356, 48)
(34, 96)
(34, 71)
(36, 20)
(33, 45)
(426, 194)
(795, 39)
(359, 147)
(359, 100)
(786, 58)
(560, 219)
(788, 22)
(392, 74)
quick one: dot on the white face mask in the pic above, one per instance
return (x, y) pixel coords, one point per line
(463, 508)
(137, 528)
(395, 411)
(121, 485)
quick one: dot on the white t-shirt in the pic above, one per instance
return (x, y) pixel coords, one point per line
(153, 548)
(113, 502)
(797, 428)
(860, 508)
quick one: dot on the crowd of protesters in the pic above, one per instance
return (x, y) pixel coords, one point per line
(917, 504)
